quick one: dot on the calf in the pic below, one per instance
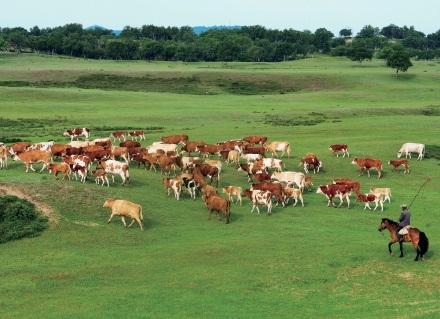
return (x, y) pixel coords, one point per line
(101, 176)
(220, 205)
(397, 163)
(334, 190)
(310, 161)
(276, 189)
(137, 134)
(18, 148)
(294, 193)
(124, 209)
(3, 157)
(32, 157)
(384, 192)
(233, 191)
(119, 135)
(172, 184)
(62, 168)
(233, 157)
(368, 164)
(77, 132)
(188, 181)
(338, 148)
(115, 168)
(275, 147)
(308, 183)
(368, 198)
(264, 198)
(351, 183)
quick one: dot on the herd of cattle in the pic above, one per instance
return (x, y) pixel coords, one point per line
(269, 182)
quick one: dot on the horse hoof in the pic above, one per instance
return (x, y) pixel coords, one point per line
(400, 256)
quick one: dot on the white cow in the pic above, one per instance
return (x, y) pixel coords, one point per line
(251, 157)
(161, 146)
(42, 146)
(273, 163)
(290, 178)
(79, 144)
(275, 147)
(262, 198)
(409, 148)
(115, 168)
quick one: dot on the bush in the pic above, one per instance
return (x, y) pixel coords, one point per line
(19, 219)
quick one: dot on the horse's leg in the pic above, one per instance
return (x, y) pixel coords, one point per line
(401, 248)
(389, 247)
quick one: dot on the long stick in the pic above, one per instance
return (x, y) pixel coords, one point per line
(418, 192)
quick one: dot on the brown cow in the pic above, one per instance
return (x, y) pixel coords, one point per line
(19, 147)
(338, 148)
(62, 168)
(335, 190)
(121, 152)
(31, 157)
(137, 134)
(368, 198)
(130, 144)
(191, 146)
(351, 183)
(220, 205)
(209, 171)
(277, 190)
(311, 161)
(233, 191)
(254, 150)
(207, 149)
(166, 164)
(368, 164)
(308, 182)
(255, 139)
(175, 139)
(99, 155)
(59, 149)
(119, 135)
(397, 163)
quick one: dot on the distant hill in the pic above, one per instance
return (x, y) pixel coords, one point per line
(197, 29)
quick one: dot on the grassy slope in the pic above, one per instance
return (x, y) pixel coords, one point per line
(309, 262)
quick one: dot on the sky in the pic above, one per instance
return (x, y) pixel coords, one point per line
(300, 15)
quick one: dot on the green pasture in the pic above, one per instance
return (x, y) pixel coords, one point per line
(311, 262)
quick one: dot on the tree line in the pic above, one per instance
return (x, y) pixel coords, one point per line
(248, 43)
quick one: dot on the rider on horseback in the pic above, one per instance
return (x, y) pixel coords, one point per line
(404, 221)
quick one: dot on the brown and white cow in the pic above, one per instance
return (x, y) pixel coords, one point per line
(311, 161)
(42, 146)
(77, 132)
(32, 157)
(119, 135)
(191, 146)
(277, 190)
(339, 148)
(115, 168)
(255, 139)
(335, 190)
(367, 164)
(175, 139)
(260, 197)
(137, 134)
(62, 168)
(384, 192)
(369, 198)
(397, 163)
(294, 193)
(101, 176)
(351, 183)
(207, 149)
(174, 185)
(233, 191)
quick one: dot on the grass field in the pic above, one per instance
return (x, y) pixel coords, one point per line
(311, 262)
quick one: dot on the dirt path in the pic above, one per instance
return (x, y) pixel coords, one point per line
(46, 210)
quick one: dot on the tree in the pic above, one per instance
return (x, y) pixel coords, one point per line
(359, 51)
(399, 59)
(322, 40)
(346, 33)
(368, 32)
(392, 32)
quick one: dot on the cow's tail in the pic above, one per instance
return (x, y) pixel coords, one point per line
(423, 243)
(140, 213)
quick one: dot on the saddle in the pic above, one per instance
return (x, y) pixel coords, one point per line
(404, 230)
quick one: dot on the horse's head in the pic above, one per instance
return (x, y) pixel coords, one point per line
(383, 224)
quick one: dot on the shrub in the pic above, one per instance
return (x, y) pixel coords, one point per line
(19, 219)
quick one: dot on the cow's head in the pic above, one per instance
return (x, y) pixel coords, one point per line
(354, 161)
(66, 133)
(109, 202)
(399, 154)
(320, 189)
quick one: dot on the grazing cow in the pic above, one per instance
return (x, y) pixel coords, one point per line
(264, 198)
(175, 139)
(77, 132)
(368, 164)
(124, 209)
(308, 183)
(161, 146)
(119, 135)
(255, 139)
(191, 146)
(3, 156)
(121, 152)
(137, 134)
(207, 149)
(139, 159)
(275, 147)
(220, 205)
(42, 146)
(101, 176)
(172, 184)
(215, 163)
(208, 171)
(18, 148)
(384, 192)
(130, 144)
(351, 183)
(62, 168)
(368, 198)
(59, 149)
(92, 148)
(276, 189)
(335, 190)
(338, 148)
(409, 148)
(32, 157)
(294, 193)
(208, 190)
(290, 178)
(397, 163)
(115, 168)
(166, 164)
(233, 157)
(310, 161)
(233, 191)
(251, 157)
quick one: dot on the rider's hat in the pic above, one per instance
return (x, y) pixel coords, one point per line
(403, 206)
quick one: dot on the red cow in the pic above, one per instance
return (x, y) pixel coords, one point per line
(368, 164)
(137, 134)
(77, 132)
(175, 139)
(397, 163)
(338, 148)
(334, 190)
(255, 139)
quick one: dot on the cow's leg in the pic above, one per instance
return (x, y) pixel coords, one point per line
(367, 206)
(113, 178)
(132, 222)
(44, 166)
(368, 171)
(123, 221)
(32, 168)
(239, 198)
(348, 201)
(111, 216)
(253, 207)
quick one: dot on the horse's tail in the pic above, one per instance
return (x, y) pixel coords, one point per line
(423, 243)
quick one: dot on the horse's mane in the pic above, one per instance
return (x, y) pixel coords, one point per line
(392, 222)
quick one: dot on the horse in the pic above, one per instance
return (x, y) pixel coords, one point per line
(415, 236)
